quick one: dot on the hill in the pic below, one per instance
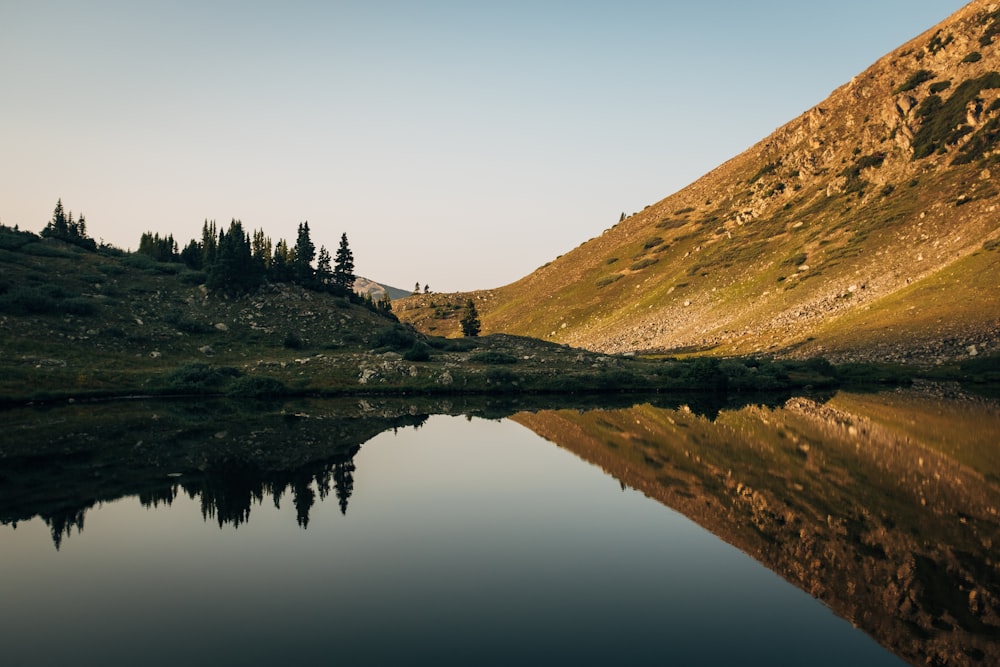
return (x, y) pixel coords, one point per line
(85, 322)
(867, 228)
(377, 291)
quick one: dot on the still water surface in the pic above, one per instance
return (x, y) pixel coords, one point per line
(459, 541)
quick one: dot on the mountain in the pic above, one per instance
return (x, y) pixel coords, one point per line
(867, 228)
(377, 291)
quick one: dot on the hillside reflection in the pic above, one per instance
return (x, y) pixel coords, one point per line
(885, 506)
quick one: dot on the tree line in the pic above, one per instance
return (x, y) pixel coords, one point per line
(236, 261)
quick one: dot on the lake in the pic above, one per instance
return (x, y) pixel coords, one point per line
(823, 530)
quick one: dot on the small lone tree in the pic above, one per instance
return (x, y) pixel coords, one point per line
(343, 268)
(470, 320)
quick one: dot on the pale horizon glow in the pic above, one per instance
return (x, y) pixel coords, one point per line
(457, 144)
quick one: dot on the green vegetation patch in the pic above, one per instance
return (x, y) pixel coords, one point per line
(768, 168)
(198, 378)
(915, 79)
(643, 263)
(853, 173)
(608, 280)
(944, 122)
(493, 357)
(939, 87)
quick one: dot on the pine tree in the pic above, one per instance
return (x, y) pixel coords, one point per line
(57, 227)
(305, 253)
(280, 270)
(209, 243)
(235, 270)
(324, 274)
(261, 246)
(191, 255)
(343, 269)
(470, 320)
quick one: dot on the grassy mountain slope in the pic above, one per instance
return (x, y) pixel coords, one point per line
(867, 227)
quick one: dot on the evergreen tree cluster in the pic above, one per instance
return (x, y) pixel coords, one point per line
(237, 261)
(63, 227)
(161, 249)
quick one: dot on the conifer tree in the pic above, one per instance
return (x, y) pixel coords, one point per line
(470, 320)
(261, 246)
(305, 253)
(324, 274)
(281, 265)
(209, 243)
(235, 270)
(343, 269)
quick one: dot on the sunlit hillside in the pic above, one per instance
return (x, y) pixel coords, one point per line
(868, 227)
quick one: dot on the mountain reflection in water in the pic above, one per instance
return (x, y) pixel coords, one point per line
(884, 506)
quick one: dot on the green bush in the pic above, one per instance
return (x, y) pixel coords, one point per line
(257, 387)
(419, 352)
(607, 280)
(292, 341)
(200, 378)
(915, 80)
(397, 338)
(944, 122)
(46, 249)
(493, 357)
(643, 263)
(78, 306)
(973, 57)
(27, 301)
(189, 277)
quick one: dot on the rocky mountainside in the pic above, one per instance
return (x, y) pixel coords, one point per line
(866, 228)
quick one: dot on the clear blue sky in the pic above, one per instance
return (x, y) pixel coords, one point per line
(460, 144)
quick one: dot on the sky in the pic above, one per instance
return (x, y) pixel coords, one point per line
(459, 145)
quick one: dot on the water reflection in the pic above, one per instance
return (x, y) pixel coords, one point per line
(884, 506)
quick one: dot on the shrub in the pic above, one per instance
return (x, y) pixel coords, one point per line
(939, 86)
(419, 352)
(493, 357)
(500, 376)
(396, 337)
(607, 280)
(45, 249)
(973, 57)
(78, 306)
(915, 80)
(27, 301)
(200, 378)
(292, 341)
(652, 242)
(189, 277)
(944, 122)
(643, 263)
(257, 387)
